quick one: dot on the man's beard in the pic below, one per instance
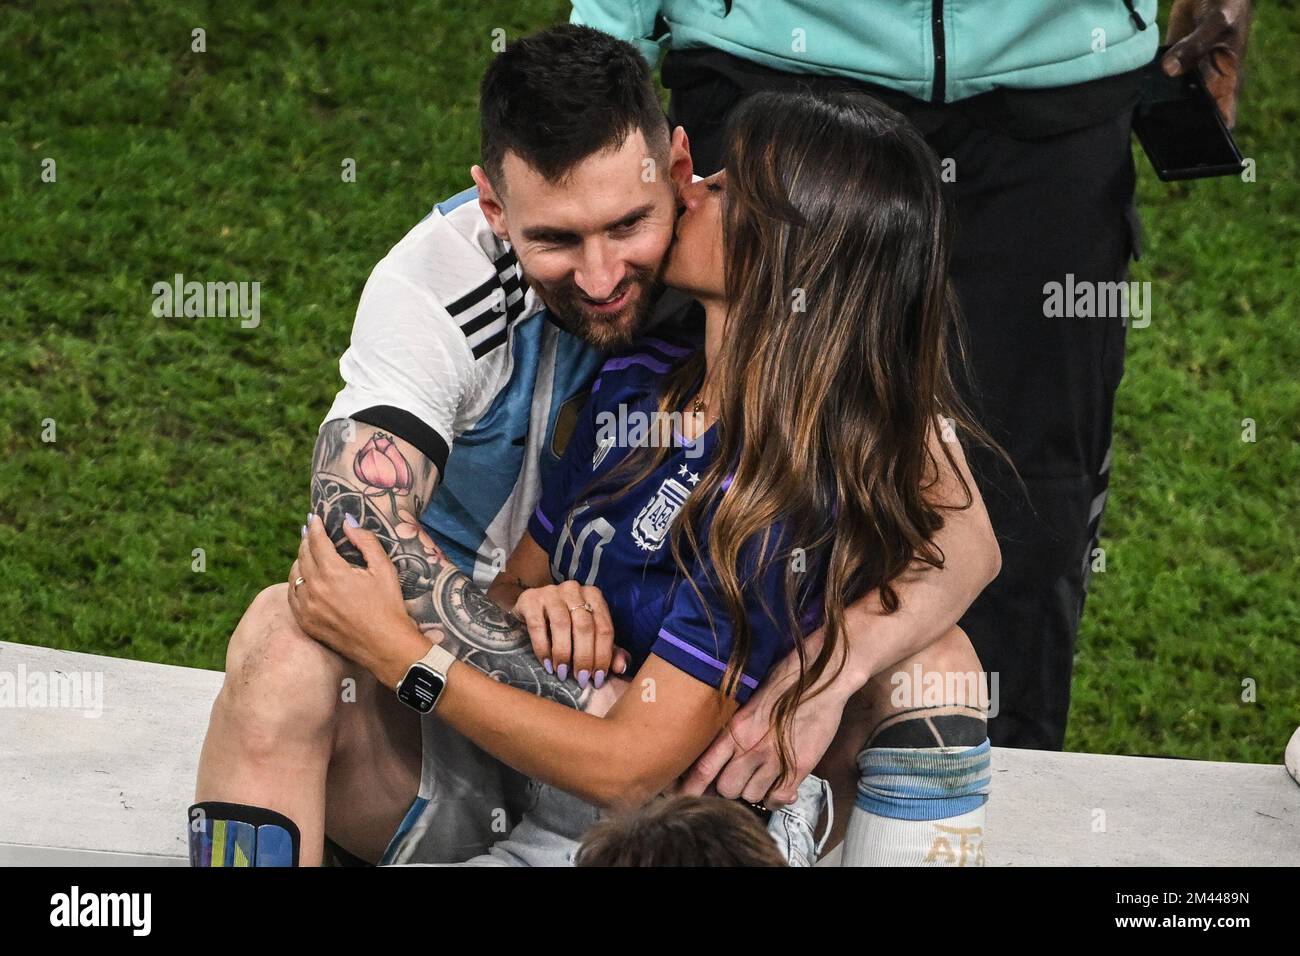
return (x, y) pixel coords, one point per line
(605, 332)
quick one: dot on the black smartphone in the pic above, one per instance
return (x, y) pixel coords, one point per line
(1180, 129)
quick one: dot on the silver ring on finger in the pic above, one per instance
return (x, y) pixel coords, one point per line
(584, 606)
(297, 582)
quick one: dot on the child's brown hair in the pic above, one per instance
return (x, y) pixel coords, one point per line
(681, 831)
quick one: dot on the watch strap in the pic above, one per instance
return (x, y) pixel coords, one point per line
(440, 659)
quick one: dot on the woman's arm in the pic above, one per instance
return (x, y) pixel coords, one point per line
(528, 567)
(646, 741)
(649, 738)
(931, 601)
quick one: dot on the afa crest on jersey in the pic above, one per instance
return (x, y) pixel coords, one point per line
(651, 526)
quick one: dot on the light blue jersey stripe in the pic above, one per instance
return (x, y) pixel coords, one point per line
(485, 462)
(462, 197)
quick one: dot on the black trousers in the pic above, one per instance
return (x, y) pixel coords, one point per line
(1028, 212)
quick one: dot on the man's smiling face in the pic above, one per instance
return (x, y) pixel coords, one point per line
(592, 245)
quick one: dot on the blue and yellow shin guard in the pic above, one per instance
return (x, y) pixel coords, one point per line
(232, 834)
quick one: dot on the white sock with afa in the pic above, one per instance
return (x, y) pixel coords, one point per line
(919, 806)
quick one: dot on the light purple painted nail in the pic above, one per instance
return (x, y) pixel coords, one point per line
(600, 679)
(550, 668)
(562, 671)
(583, 677)
(350, 521)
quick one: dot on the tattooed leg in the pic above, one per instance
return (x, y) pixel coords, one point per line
(888, 751)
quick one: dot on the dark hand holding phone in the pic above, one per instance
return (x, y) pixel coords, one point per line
(1180, 129)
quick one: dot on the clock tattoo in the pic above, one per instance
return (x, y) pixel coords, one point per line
(362, 471)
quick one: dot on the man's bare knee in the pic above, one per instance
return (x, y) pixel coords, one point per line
(268, 612)
(945, 679)
(280, 683)
(953, 653)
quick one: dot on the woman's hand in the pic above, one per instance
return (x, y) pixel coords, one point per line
(357, 612)
(571, 631)
(743, 760)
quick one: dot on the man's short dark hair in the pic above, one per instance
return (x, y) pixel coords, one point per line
(558, 96)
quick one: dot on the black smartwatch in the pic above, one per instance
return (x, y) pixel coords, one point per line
(425, 680)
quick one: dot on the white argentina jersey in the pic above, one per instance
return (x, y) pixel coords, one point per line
(451, 352)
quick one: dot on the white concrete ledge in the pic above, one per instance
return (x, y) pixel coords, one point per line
(113, 789)
(110, 789)
(1079, 809)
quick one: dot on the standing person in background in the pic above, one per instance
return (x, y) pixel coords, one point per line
(1027, 105)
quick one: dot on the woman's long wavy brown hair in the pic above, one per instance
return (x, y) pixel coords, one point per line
(833, 373)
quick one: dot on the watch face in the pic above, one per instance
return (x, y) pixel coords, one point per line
(420, 688)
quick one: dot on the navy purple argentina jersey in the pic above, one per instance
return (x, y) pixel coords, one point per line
(622, 546)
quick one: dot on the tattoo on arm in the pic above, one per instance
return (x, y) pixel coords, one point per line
(369, 478)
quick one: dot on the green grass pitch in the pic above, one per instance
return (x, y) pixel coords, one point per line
(179, 434)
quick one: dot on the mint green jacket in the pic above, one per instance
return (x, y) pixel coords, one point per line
(937, 50)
